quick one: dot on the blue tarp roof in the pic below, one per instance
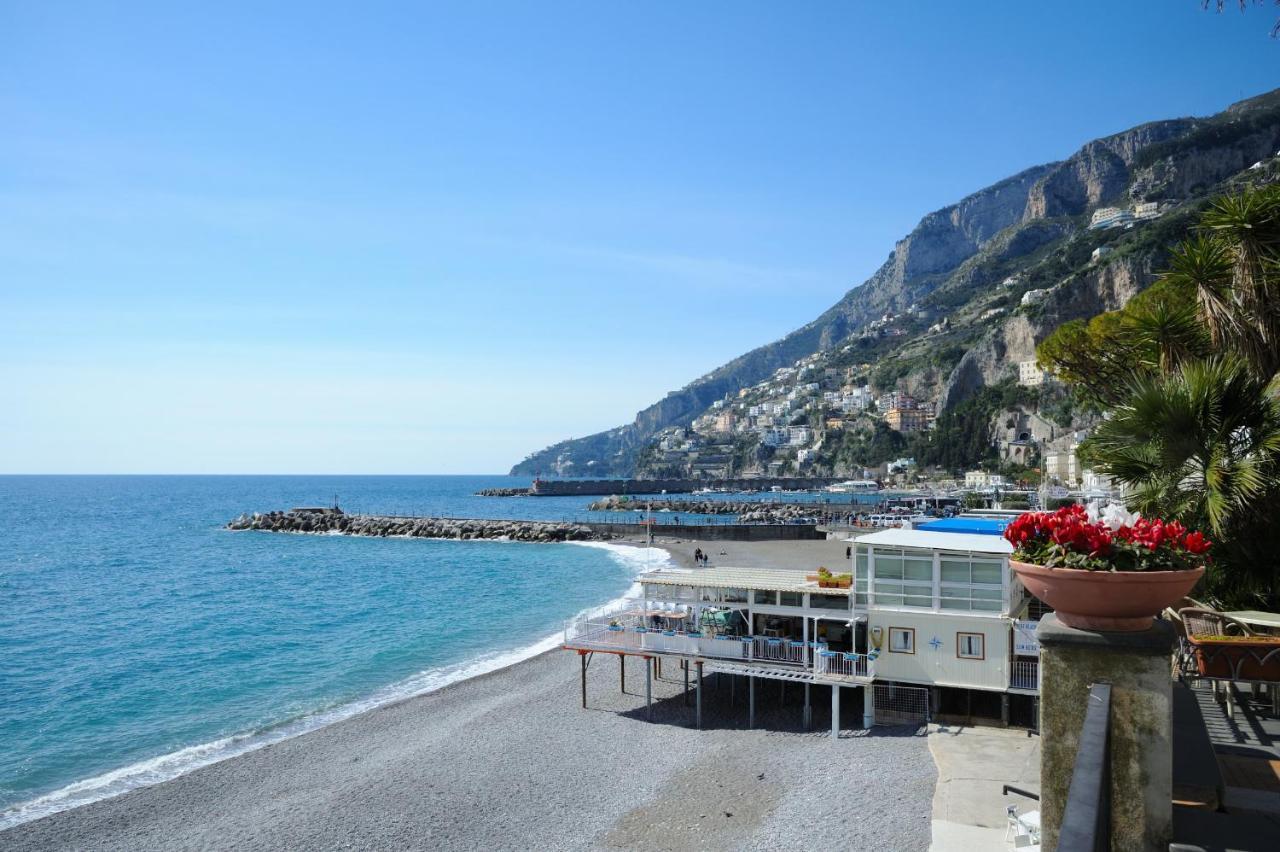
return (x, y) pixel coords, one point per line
(980, 526)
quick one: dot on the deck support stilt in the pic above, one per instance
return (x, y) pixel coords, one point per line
(648, 686)
(622, 673)
(699, 712)
(808, 710)
(751, 701)
(583, 657)
(868, 706)
(685, 665)
(835, 711)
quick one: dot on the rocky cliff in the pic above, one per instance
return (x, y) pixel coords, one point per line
(1030, 229)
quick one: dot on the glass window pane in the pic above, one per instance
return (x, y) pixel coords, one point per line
(828, 602)
(861, 564)
(889, 567)
(955, 598)
(955, 571)
(888, 600)
(925, 601)
(918, 569)
(792, 599)
(766, 597)
(987, 572)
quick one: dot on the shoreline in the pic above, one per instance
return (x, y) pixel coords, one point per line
(81, 824)
(170, 766)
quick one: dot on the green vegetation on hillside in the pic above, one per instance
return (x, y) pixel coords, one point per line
(1190, 373)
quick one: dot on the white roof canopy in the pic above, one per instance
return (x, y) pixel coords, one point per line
(927, 540)
(753, 579)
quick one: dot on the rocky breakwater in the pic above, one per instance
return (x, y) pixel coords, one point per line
(382, 526)
(503, 492)
(748, 511)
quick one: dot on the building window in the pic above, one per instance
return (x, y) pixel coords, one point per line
(766, 597)
(902, 640)
(817, 601)
(972, 584)
(970, 646)
(902, 580)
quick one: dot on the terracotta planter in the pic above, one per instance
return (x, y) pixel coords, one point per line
(1118, 601)
(843, 584)
(1258, 658)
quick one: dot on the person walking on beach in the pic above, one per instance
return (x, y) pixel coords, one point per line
(697, 556)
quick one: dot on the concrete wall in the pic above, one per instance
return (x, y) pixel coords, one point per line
(604, 487)
(718, 532)
(1141, 724)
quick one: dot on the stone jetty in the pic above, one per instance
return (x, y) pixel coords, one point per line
(503, 492)
(748, 511)
(339, 523)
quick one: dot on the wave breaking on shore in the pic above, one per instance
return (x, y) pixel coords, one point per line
(166, 767)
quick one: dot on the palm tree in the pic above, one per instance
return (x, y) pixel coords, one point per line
(1234, 266)
(1202, 444)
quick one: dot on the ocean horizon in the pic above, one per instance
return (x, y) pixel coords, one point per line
(145, 640)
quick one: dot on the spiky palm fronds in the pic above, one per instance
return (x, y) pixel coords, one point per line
(1242, 308)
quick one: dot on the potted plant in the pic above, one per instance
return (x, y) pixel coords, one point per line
(825, 580)
(843, 581)
(1237, 657)
(1110, 570)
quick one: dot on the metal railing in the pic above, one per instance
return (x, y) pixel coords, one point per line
(1024, 674)
(780, 650)
(1086, 820)
(842, 664)
(635, 633)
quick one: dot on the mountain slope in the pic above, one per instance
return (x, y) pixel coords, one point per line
(1030, 228)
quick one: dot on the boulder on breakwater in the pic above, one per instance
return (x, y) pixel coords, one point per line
(748, 511)
(384, 526)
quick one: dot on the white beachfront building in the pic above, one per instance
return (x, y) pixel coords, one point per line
(934, 625)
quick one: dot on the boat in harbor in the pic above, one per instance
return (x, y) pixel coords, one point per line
(854, 486)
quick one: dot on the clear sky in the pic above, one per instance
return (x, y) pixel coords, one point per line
(430, 238)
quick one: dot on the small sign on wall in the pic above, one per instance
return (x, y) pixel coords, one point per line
(1025, 643)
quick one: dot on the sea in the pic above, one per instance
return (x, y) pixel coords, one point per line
(140, 639)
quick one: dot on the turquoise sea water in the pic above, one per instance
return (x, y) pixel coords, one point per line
(139, 639)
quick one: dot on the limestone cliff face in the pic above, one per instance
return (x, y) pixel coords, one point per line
(1098, 173)
(1106, 287)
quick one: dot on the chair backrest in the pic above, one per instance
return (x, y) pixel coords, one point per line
(1202, 622)
(1208, 622)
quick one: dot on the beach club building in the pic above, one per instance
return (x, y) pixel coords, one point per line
(932, 626)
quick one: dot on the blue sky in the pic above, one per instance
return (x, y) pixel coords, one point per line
(430, 238)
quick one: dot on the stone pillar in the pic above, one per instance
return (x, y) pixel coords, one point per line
(1137, 667)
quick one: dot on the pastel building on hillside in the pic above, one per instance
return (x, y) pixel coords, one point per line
(908, 420)
(1029, 374)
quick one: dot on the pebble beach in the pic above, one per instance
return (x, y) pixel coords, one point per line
(510, 760)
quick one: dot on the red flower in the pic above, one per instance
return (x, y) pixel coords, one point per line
(1196, 543)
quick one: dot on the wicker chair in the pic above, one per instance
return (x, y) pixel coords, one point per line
(1199, 621)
